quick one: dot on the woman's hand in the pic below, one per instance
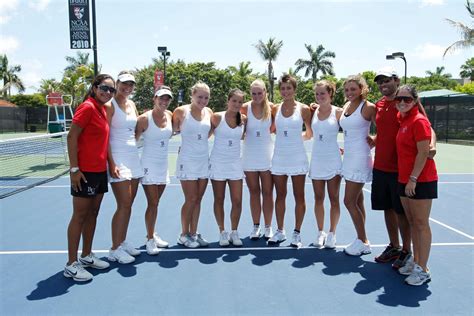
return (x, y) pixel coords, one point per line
(371, 141)
(76, 178)
(410, 188)
(114, 171)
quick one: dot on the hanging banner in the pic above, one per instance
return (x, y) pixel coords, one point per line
(159, 79)
(79, 25)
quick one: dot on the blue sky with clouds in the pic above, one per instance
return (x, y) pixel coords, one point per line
(35, 33)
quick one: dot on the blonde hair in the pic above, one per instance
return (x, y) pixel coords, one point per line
(200, 86)
(267, 111)
(360, 81)
(329, 85)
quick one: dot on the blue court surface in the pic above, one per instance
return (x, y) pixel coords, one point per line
(252, 280)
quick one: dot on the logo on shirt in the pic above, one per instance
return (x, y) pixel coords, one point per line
(320, 137)
(145, 170)
(181, 167)
(199, 137)
(162, 143)
(258, 134)
(230, 143)
(404, 129)
(345, 133)
(285, 133)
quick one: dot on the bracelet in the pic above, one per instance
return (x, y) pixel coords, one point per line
(413, 179)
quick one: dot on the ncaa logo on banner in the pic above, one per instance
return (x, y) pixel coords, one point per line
(78, 12)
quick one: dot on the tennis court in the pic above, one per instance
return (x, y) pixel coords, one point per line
(252, 280)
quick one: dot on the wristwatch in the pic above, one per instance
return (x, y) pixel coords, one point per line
(74, 169)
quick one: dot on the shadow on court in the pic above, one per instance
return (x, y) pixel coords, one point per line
(365, 277)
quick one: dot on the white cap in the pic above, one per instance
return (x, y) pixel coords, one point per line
(164, 91)
(386, 72)
(126, 77)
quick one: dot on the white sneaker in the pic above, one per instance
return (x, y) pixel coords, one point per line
(132, 251)
(357, 248)
(201, 241)
(151, 247)
(187, 241)
(418, 276)
(268, 232)
(256, 233)
(224, 239)
(278, 237)
(92, 261)
(234, 239)
(407, 269)
(120, 255)
(319, 242)
(77, 272)
(330, 242)
(160, 243)
(296, 240)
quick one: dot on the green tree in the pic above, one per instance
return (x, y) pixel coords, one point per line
(74, 62)
(49, 85)
(76, 82)
(318, 62)
(32, 100)
(269, 51)
(467, 70)
(10, 78)
(374, 92)
(438, 73)
(467, 88)
(467, 33)
(243, 70)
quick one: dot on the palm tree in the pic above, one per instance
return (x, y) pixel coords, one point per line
(467, 33)
(243, 70)
(318, 62)
(10, 77)
(467, 70)
(269, 52)
(439, 72)
(49, 85)
(74, 62)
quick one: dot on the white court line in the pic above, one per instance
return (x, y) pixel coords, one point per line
(440, 223)
(35, 252)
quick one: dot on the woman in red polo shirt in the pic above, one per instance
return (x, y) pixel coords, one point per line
(87, 144)
(418, 181)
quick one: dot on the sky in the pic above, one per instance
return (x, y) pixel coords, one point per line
(35, 34)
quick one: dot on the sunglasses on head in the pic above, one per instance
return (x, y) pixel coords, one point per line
(106, 88)
(404, 99)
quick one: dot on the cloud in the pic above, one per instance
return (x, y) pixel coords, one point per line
(426, 3)
(8, 44)
(429, 51)
(7, 8)
(39, 5)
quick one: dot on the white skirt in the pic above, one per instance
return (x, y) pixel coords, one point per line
(188, 168)
(129, 166)
(325, 167)
(357, 167)
(290, 164)
(222, 171)
(155, 172)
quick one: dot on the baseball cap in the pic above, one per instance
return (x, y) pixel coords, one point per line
(126, 77)
(386, 72)
(164, 91)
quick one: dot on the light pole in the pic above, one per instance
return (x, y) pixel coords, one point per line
(165, 53)
(401, 56)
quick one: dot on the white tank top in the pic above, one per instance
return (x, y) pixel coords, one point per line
(356, 129)
(122, 129)
(325, 134)
(194, 135)
(156, 139)
(226, 142)
(258, 143)
(289, 132)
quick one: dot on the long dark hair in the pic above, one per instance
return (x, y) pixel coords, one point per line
(238, 116)
(412, 90)
(95, 83)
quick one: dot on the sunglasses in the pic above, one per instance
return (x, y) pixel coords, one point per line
(404, 99)
(106, 88)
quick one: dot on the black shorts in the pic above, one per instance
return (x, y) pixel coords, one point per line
(97, 183)
(423, 190)
(384, 194)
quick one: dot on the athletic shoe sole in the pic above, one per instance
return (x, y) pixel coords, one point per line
(113, 259)
(67, 275)
(91, 265)
(419, 283)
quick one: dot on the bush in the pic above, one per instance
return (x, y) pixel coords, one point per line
(33, 100)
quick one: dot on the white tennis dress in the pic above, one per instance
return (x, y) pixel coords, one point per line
(155, 151)
(258, 144)
(357, 162)
(289, 155)
(326, 160)
(225, 162)
(123, 145)
(193, 157)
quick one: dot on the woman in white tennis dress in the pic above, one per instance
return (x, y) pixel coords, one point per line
(156, 128)
(225, 165)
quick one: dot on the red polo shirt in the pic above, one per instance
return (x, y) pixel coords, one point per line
(387, 128)
(414, 127)
(93, 141)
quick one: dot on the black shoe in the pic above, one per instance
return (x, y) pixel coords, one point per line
(401, 260)
(390, 253)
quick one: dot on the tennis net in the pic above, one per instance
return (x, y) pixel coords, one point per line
(31, 161)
